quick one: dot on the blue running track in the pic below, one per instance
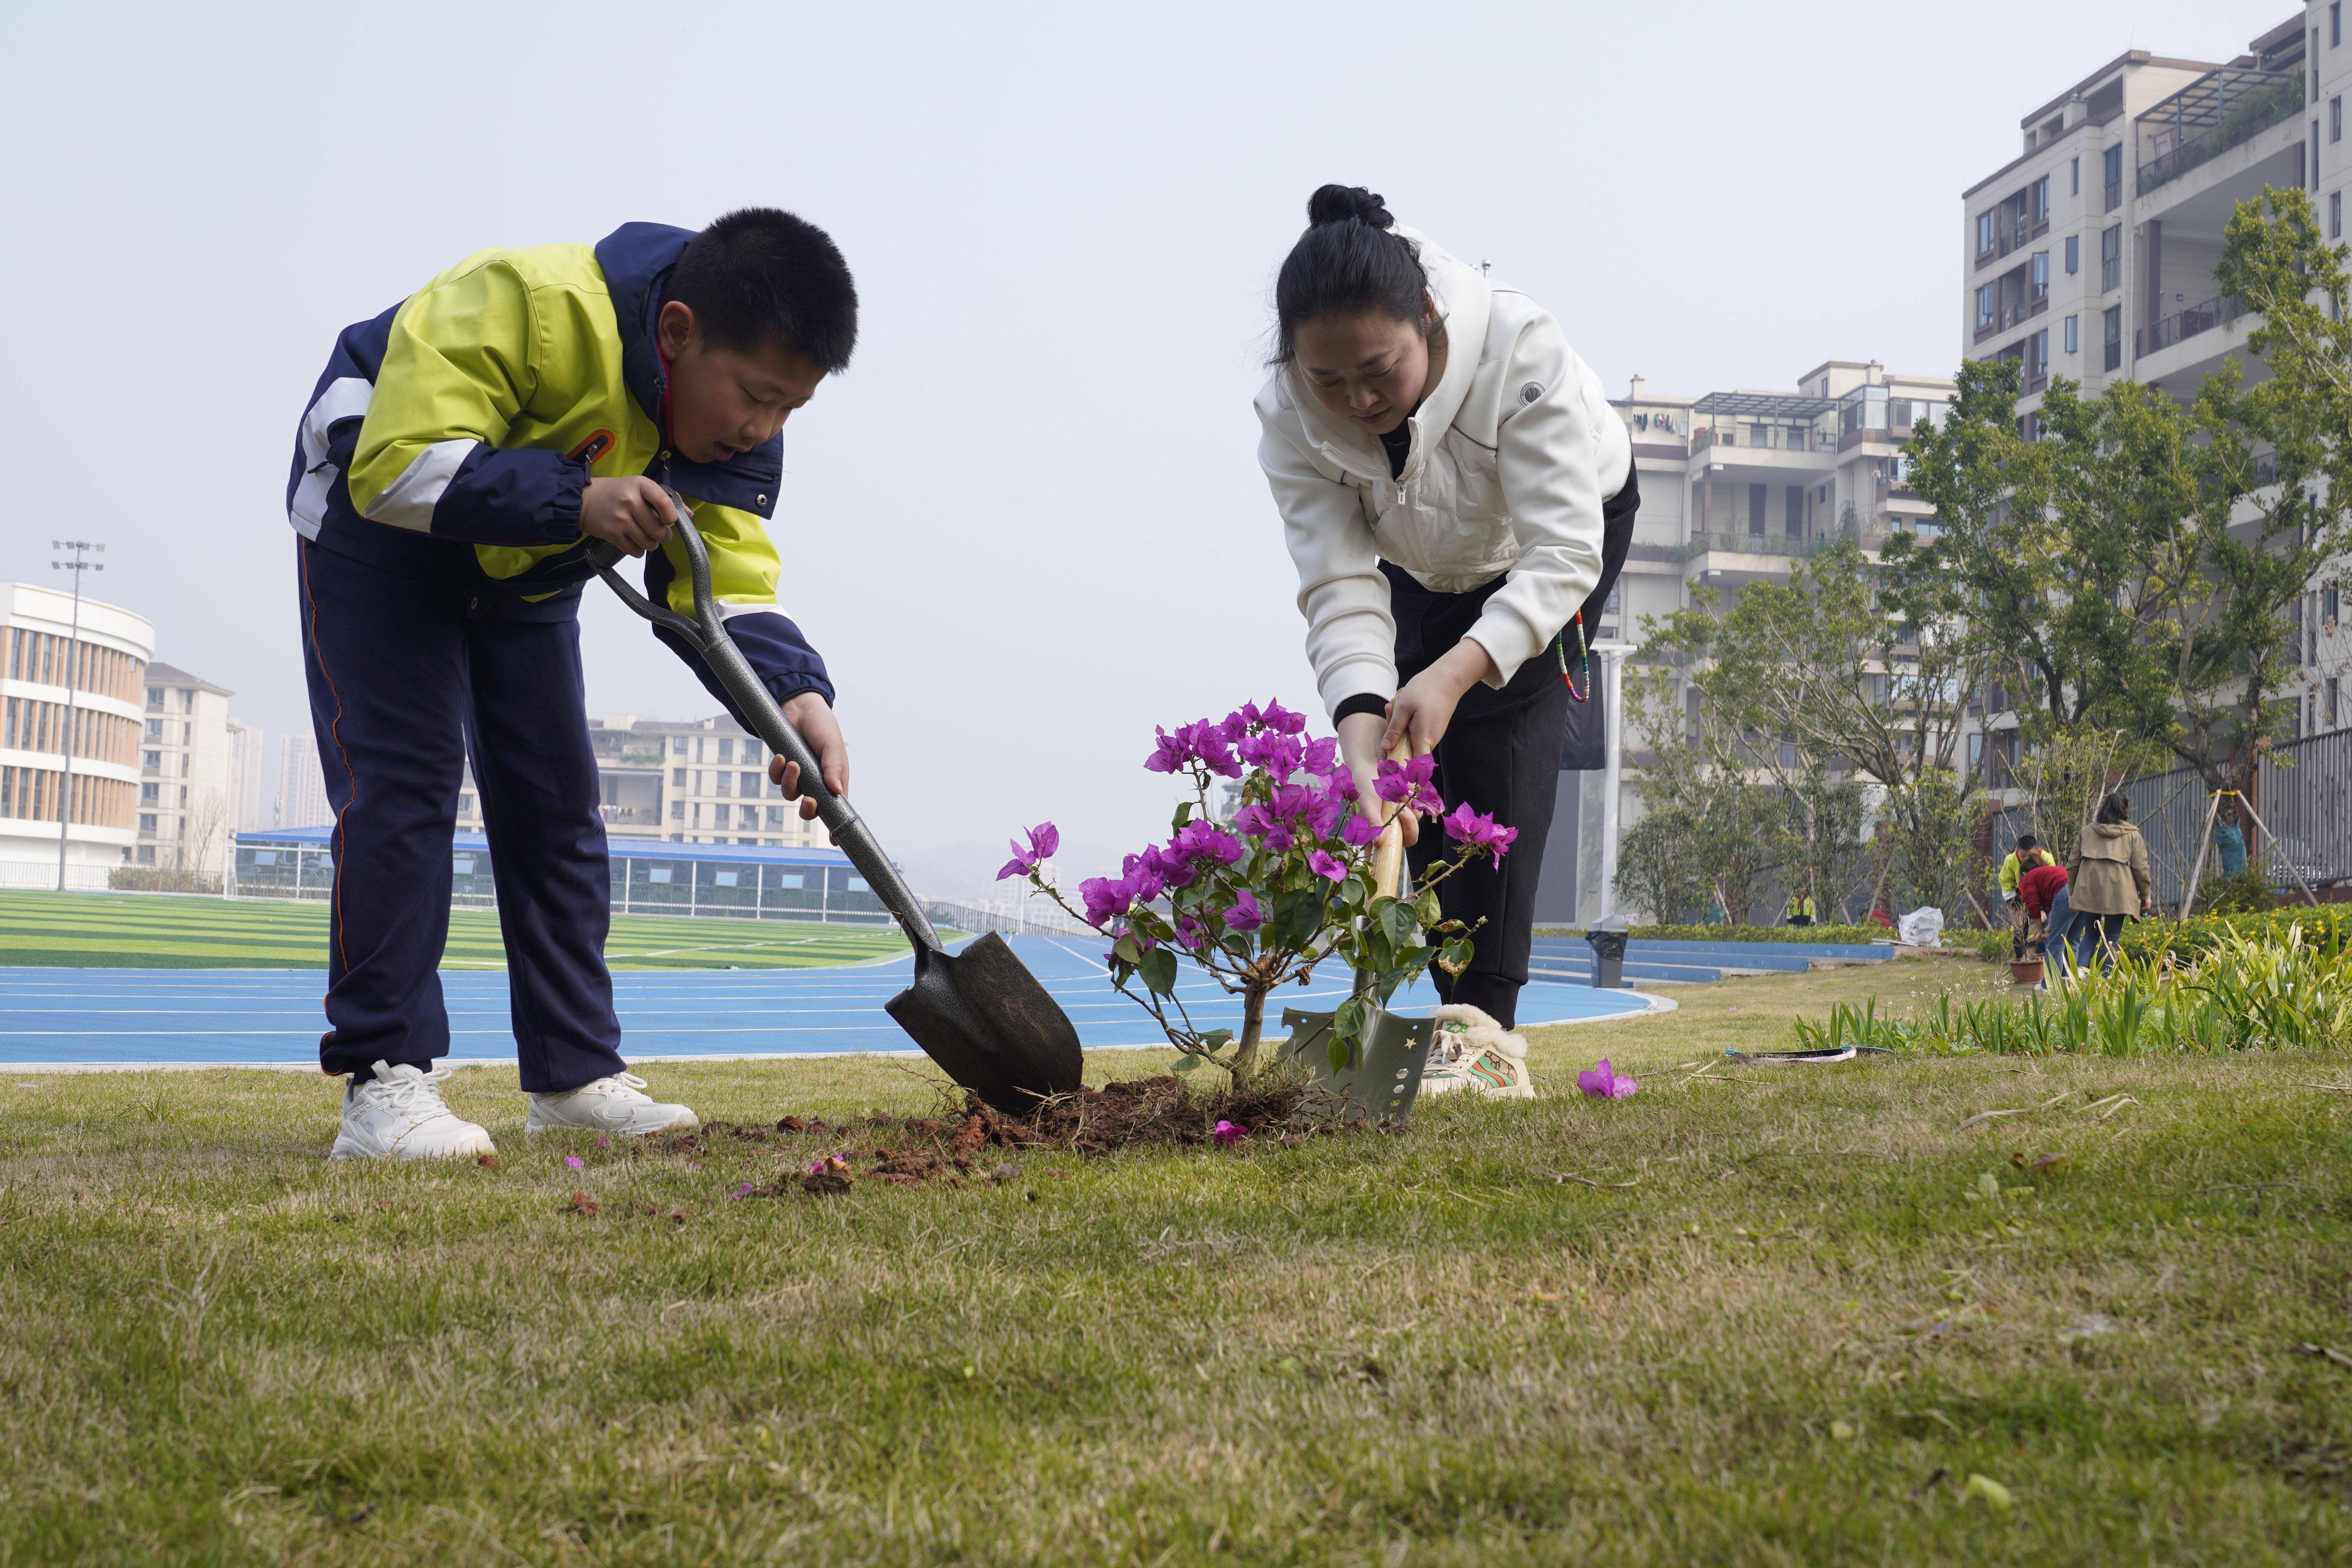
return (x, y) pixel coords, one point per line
(271, 1017)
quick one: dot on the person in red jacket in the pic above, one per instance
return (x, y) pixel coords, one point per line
(2035, 889)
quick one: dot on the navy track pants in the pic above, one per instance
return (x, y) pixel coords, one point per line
(408, 674)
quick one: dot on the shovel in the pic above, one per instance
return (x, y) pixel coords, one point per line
(980, 1013)
(1383, 1075)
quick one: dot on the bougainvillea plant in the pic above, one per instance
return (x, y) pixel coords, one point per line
(1286, 885)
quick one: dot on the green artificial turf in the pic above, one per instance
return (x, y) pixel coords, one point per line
(1754, 1316)
(155, 931)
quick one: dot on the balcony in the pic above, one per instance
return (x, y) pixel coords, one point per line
(2219, 110)
(2203, 317)
(2011, 315)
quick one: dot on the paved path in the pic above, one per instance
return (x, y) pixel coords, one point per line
(265, 1017)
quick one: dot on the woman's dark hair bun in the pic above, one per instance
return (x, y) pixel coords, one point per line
(1337, 203)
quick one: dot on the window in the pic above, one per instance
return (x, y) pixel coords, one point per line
(775, 816)
(2074, 335)
(677, 745)
(726, 879)
(2041, 275)
(1985, 308)
(2329, 603)
(727, 754)
(146, 822)
(154, 729)
(148, 794)
(465, 804)
(2111, 174)
(719, 781)
(2334, 692)
(2335, 119)
(2038, 200)
(783, 879)
(1984, 234)
(152, 760)
(2037, 355)
(2112, 342)
(2336, 24)
(2111, 259)
(1756, 504)
(677, 811)
(2074, 181)
(2336, 215)
(748, 784)
(154, 697)
(2074, 254)
(678, 778)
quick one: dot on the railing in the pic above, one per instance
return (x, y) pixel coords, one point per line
(2227, 108)
(2303, 791)
(1031, 917)
(1751, 544)
(2201, 317)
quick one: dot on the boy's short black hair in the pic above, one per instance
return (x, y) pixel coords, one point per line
(759, 277)
(2026, 841)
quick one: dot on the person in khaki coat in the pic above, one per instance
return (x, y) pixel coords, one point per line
(2107, 880)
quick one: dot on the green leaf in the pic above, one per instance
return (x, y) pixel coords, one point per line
(1354, 890)
(1398, 924)
(1159, 970)
(1339, 1054)
(1427, 906)
(1216, 1040)
(1455, 957)
(1188, 1063)
(1183, 816)
(1125, 950)
(1349, 1018)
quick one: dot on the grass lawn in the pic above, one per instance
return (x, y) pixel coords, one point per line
(162, 931)
(1778, 1331)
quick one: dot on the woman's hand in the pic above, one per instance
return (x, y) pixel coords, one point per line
(1360, 747)
(1425, 706)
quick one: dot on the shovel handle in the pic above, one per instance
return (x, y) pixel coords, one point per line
(1387, 850)
(705, 633)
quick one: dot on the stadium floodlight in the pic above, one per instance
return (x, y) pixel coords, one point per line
(76, 565)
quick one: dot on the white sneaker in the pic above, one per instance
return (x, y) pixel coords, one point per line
(1471, 1052)
(398, 1115)
(614, 1104)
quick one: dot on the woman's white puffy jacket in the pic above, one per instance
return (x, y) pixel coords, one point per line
(1513, 452)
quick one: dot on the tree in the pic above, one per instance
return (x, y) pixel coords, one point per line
(2133, 567)
(1658, 866)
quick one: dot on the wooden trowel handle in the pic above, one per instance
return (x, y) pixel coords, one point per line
(1387, 850)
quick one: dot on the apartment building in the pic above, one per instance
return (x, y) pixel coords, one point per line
(188, 772)
(302, 785)
(103, 651)
(2091, 253)
(702, 781)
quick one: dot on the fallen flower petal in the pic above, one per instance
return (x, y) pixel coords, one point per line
(572, 1162)
(1227, 1135)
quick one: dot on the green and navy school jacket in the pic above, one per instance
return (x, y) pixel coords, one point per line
(453, 435)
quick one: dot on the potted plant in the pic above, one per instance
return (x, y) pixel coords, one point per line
(1287, 884)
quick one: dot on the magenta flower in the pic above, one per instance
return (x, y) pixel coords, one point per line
(1044, 840)
(1243, 720)
(1342, 786)
(1321, 756)
(1360, 830)
(1322, 865)
(1407, 783)
(572, 1162)
(742, 1191)
(1190, 934)
(1279, 755)
(1202, 839)
(1468, 827)
(1282, 720)
(1107, 898)
(1227, 1135)
(1247, 913)
(1172, 755)
(1603, 1083)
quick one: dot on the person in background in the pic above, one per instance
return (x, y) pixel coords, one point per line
(2037, 886)
(1800, 909)
(2107, 881)
(2022, 858)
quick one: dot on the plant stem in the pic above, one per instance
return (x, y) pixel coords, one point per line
(1245, 1066)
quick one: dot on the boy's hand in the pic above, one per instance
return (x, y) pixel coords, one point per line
(630, 514)
(811, 715)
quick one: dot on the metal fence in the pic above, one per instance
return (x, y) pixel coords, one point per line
(2303, 792)
(696, 888)
(1032, 917)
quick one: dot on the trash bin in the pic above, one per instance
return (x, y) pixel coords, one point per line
(1608, 939)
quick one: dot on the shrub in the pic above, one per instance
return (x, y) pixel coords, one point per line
(2185, 939)
(158, 879)
(1289, 886)
(2241, 993)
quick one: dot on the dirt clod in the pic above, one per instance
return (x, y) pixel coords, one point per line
(582, 1204)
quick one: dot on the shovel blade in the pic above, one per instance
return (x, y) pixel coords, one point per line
(988, 1022)
(1382, 1078)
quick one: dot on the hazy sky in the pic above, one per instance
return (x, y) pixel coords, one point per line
(1028, 523)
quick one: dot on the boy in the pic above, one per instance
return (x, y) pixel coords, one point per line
(456, 459)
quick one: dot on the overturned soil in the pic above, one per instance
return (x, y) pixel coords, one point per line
(965, 1141)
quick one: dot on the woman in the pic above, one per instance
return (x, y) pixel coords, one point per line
(1457, 495)
(2106, 881)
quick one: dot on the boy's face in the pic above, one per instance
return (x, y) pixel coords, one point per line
(725, 401)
